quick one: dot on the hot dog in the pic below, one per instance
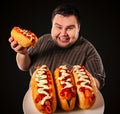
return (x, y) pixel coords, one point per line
(43, 90)
(65, 87)
(24, 37)
(86, 87)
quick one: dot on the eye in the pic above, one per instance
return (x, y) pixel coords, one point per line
(58, 27)
(69, 28)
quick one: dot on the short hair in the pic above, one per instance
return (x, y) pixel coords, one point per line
(66, 9)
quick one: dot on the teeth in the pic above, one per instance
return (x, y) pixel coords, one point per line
(64, 39)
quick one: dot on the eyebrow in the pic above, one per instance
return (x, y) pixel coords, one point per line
(67, 26)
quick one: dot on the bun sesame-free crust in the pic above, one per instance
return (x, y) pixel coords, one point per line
(65, 87)
(86, 87)
(43, 90)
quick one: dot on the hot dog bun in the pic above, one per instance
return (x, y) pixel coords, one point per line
(24, 37)
(86, 87)
(43, 90)
(65, 87)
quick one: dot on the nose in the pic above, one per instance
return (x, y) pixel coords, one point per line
(63, 32)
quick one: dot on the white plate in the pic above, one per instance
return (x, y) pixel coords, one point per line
(97, 108)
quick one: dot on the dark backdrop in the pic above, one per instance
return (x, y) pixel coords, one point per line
(100, 25)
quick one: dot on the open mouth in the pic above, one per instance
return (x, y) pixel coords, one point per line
(64, 40)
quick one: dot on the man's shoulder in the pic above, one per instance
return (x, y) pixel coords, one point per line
(82, 38)
(86, 42)
(47, 35)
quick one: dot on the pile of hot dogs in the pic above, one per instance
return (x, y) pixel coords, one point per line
(64, 88)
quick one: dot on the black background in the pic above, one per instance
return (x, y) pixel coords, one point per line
(100, 25)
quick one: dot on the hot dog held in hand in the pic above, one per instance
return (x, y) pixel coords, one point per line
(24, 37)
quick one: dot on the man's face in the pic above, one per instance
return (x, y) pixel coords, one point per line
(65, 30)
